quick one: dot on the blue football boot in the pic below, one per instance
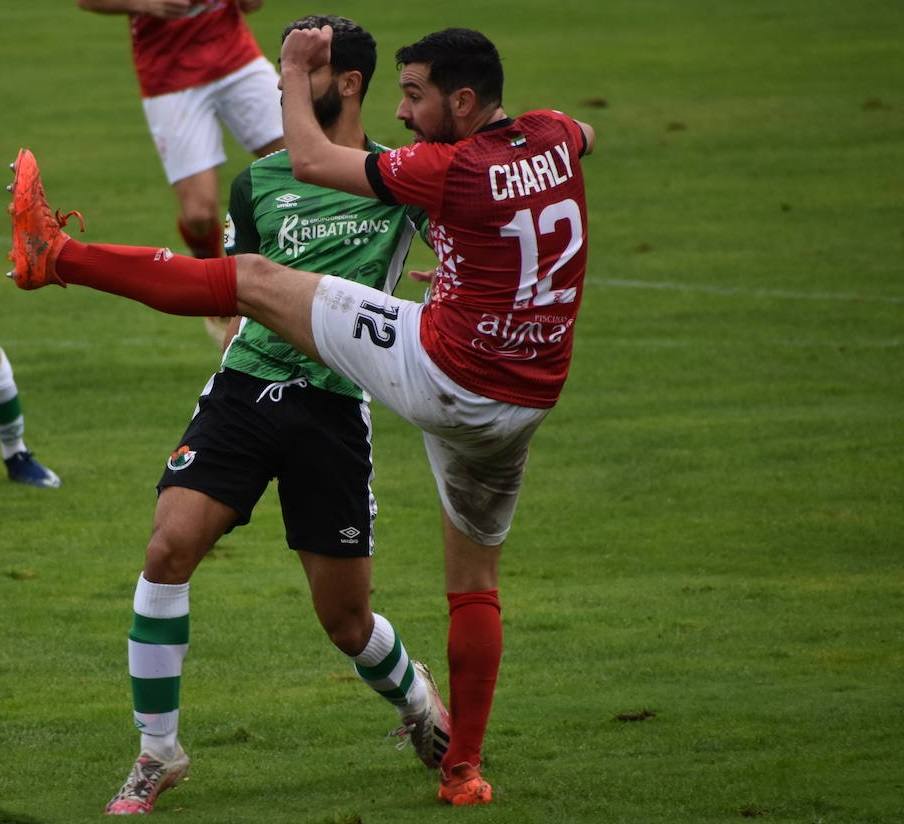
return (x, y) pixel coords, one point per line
(24, 469)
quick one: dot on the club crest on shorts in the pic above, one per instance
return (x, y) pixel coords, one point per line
(181, 458)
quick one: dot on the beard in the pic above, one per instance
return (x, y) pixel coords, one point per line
(444, 131)
(328, 106)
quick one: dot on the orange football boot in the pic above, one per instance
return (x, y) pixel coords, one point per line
(463, 785)
(37, 232)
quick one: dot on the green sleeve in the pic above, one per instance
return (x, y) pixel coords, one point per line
(241, 232)
(421, 222)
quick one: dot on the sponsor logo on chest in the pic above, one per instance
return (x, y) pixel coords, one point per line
(296, 232)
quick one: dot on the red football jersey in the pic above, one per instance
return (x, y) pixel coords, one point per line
(508, 220)
(211, 41)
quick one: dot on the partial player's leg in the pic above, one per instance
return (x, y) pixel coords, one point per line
(340, 589)
(475, 651)
(340, 592)
(199, 213)
(478, 480)
(43, 254)
(189, 141)
(210, 484)
(187, 523)
(21, 466)
(278, 297)
(329, 510)
(249, 102)
(200, 227)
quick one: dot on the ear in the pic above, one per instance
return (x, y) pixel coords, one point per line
(350, 83)
(464, 102)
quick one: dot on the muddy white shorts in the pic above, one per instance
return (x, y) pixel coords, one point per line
(186, 125)
(477, 446)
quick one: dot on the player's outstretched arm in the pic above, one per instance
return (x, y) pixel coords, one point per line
(167, 9)
(589, 136)
(315, 159)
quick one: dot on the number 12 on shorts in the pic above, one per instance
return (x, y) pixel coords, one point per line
(385, 335)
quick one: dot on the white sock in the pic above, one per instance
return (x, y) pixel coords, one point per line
(158, 642)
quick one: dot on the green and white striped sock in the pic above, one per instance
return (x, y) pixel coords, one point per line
(158, 642)
(385, 667)
(12, 424)
(12, 428)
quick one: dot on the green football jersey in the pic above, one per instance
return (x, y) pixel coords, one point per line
(319, 230)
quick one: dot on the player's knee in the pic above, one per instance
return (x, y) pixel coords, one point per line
(168, 561)
(256, 273)
(199, 222)
(199, 213)
(348, 632)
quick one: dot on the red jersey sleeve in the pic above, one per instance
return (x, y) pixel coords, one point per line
(414, 174)
(575, 132)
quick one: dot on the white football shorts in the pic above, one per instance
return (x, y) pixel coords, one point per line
(477, 446)
(186, 125)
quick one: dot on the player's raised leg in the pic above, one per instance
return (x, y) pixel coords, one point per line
(44, 254)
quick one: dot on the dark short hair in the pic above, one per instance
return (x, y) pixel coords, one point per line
(458, 58)
(352, 49)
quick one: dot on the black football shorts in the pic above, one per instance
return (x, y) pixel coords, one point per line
(247, 431)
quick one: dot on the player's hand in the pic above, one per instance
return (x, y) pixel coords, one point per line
(421, 276)
(167, 9)
(306, 50)
(248, 6)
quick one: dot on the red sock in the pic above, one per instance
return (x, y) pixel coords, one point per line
(209, 245)
(475, 649)
(174, 284)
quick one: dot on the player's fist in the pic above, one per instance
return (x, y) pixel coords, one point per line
(306, 49)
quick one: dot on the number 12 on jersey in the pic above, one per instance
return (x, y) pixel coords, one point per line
(535, 289)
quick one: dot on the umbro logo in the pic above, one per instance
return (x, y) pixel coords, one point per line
(350, 535)
(287, 200)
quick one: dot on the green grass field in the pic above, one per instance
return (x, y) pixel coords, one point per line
(704, 589)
